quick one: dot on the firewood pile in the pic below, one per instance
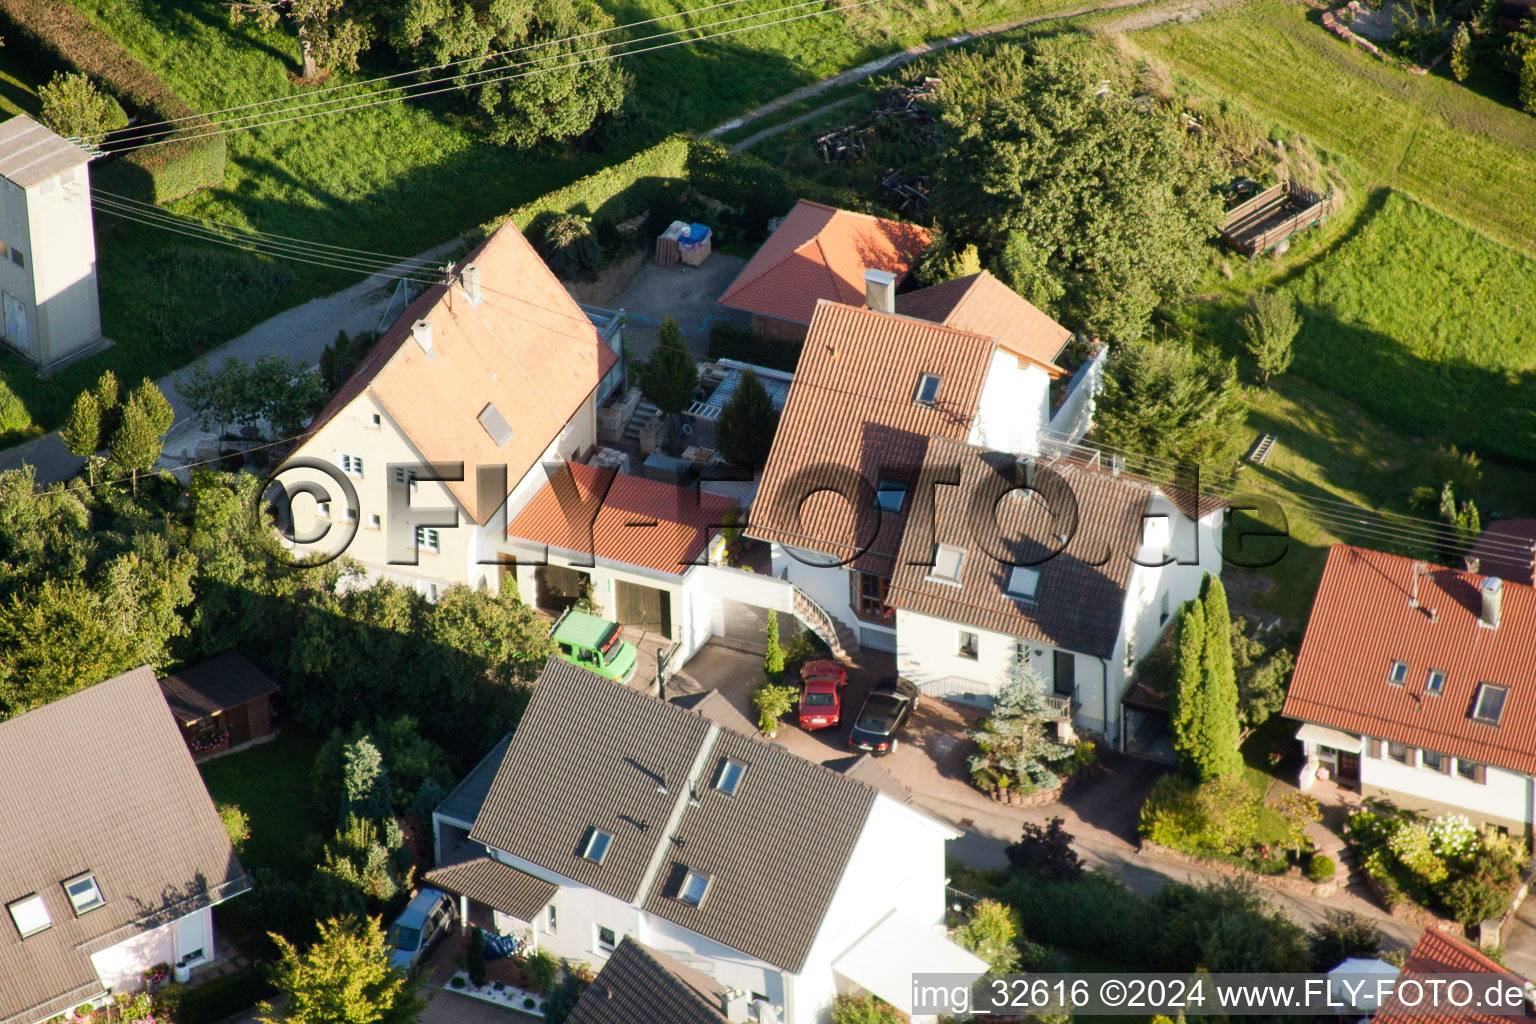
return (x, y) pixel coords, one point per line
(905, 190)
(902, 107)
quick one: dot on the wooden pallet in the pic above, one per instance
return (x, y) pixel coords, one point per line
(1260, 454)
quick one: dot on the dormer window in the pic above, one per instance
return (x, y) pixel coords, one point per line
(1398, 673)
(1435, 684)
(694, 886)
(730, 777)
(30, 915)
(495, 424)
(1023, 582)
(84, 893)
(890, 495)
(927, 389)
(947, 560)
(1488, 704)
(595, 847)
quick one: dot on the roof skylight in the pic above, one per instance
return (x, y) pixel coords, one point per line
(1488, 705)
(30, 915)
(730, 777)
(84, 893)
(927, 389)
(1023, 582)
(693, 888)
(1435, 683)
(947, 560)
(595, 846)
(1397, 673)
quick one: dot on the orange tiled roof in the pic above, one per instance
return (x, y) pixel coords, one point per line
(526, 347)
(638, 521)
(984, 305)
(1438, 953)
(820, 252)
(851, 411)
(1361, 622)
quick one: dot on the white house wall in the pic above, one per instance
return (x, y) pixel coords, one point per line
(828, 586)
(50, 225)
(121, 967)
(726, 965)
(1504, 797)
(579, 911)
(876, 881)
(1013, 407)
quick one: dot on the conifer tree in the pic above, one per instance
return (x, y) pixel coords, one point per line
(745, 430)
(773, 660)
(1223, 734)
(670, 377)
(106, 393)
(1188, 686)
(1461, 53)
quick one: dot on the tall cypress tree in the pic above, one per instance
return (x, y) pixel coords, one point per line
(1188, 695)
(1222, 731)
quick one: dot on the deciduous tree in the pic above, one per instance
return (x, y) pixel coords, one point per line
(82, 433)
(1269, 328)
(328, 36)
(344, 978)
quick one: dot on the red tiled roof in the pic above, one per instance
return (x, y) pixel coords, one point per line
(639, 522)
(1436, 953)
(984, 305)
(820, 252)
(851, 411)
(1361, 622)
(526, 347)
(1507, 549)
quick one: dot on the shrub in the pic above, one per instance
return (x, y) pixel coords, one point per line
(567, 244)
(773, 659)
(1096, 913)
(74, 107)
(1412, 846)
(615, 193)
(539, 969)
(14, 419)
(1340, 935)
(864, 1009)
(1320, 868)
(1473, 900)
(237, 823)
(215, 999)
(990, 934)
(1216, 817)
(773, 701)
(458, 981)
(529, 1002)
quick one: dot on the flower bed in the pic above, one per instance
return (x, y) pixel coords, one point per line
(1227, 821)
(1443, 865)
(509, 996)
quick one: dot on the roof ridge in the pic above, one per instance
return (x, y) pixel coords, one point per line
(919, 321)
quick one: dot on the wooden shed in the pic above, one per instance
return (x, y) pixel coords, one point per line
(220, 703)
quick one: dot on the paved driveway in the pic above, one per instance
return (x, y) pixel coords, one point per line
(687, 294)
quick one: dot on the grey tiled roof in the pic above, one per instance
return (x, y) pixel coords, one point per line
(99, 782)
(464, 803)
(589, 752)
(713, 705)
(493, 883)
(640, 985)
(866, 769)
(774, 851)
(1080, 599)
(218, 684)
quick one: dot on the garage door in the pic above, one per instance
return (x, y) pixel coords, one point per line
(643, 607)
(556, 587)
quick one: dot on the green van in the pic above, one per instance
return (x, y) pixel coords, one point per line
(595, 644)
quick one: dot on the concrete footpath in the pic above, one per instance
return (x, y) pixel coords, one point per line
(300, 333)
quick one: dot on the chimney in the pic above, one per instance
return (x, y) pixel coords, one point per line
(421, 330)
(471, 282)
(733, 1003)
(1492, 590)
(880, 290)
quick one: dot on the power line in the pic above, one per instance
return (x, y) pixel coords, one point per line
(612, 55)
(414, 71)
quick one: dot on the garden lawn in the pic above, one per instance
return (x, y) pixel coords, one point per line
(400, 178)
(271, 784)
(18, 86)
(1469, 156)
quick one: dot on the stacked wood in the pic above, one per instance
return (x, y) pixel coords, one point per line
(904, 190)
(904, 107)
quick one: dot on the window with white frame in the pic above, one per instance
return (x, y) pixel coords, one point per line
(374, 521)
(607, 939)
(1431, 760)
(947, 560)
(351, 464)
(1399, 752)
(552, 924)
(967, 645)
(84, 893)
(427, 539)
(349, 515)
(375, 421)
(323, 509)
(404, 477)
(1435, 682)
(30, 915)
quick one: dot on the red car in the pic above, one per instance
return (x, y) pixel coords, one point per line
(821, 705)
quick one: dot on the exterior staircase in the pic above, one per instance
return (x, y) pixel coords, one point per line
(644, 413)
(841, 640)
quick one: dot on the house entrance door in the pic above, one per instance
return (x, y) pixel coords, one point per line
(1349, 767)
(15, 322)
(193, 942)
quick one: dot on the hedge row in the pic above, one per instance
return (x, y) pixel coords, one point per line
(55, 35)
(614, 193)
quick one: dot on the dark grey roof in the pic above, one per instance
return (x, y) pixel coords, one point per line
(215, 685)
(588, 753)
(866, 769)
(639, 985)
(31, 154)
(1080, 600)
(774, 851)
(472, 872)
(100, 782)
(464, 803)
(716, 707)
